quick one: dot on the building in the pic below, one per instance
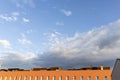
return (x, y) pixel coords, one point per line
(116, 70)
(56, 73)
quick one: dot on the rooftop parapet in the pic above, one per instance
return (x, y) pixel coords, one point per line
(38, 69)
(55, 68)
(96, 68)
(15, 69)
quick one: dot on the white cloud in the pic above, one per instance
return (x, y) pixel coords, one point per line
(5, 43)
(95, 47)
(59, 23)
(19, 55)
(29, 2)
(29, 31)
(15, 13)
(66, 12)
(10, 18)
(13, 17)
(19, 5)
(25, 20)
(53, 37)
(23, 35)
(24, 41)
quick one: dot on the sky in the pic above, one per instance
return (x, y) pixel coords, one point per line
(63, 33)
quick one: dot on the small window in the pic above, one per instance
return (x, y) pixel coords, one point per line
(60, 78)
(105, 78)
(10, 78)
(36, 77)
(0, 77)
(97, 78)
(30, 77)
(25, 77)
(48, 77)
(74, 77)
(67, 77)
(89, 77)
(54, 78)
(42, 78)
(81, 77)
(5, 77)
(15, 78)
(20, 77)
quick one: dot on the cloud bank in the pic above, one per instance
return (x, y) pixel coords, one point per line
(10, 59)
(96, 47)
(5, 43)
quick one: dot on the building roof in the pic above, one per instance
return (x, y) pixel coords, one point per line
(116, 70)
(56, 69)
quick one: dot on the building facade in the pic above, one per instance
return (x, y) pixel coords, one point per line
(56, 74)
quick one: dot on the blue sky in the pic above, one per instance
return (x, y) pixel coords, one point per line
(66, 33)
